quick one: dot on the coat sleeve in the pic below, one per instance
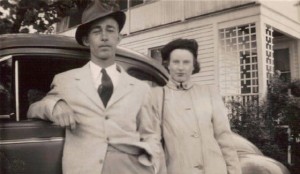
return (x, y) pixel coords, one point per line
(43, 109)
(150, 129)
(223, 134)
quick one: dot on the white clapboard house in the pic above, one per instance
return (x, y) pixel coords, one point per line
(241, 42)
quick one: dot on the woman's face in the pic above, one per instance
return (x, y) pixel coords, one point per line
(181, 65)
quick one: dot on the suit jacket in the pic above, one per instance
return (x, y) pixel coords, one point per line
(124, 123)
(196, 131)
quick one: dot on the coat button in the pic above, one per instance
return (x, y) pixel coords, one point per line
(101, 161)
(107, 139)
(200, 167)
(195, 135)
(106, 117)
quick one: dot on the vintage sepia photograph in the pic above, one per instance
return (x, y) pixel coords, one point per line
(149, 86)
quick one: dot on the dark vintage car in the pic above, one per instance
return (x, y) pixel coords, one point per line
(28, 63)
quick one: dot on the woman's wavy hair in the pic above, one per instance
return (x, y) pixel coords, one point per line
(186, 44)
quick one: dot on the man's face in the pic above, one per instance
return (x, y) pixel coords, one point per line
(103, 38)
(181, 65)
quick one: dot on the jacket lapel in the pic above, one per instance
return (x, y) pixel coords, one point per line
(86, 85)
(125, 85)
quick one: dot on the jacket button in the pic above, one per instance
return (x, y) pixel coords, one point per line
(106, 117)
(101, 161)
(107, 139)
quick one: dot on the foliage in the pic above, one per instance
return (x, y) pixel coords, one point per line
(284, 104)
(259, 122)
(37, 14)
(248, 120)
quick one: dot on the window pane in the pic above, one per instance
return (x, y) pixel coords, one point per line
(136, 2)
(43, 68)
(75, 19)
(6, 89)
(122, 4)
(155, 53)
(238, 60)
(282, 63)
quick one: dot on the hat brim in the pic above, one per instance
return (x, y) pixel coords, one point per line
(82, 29)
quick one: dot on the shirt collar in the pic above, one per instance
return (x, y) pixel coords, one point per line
(180, 86)
(113, 72)
(96, 69)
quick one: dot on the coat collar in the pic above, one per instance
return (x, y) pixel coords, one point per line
(180, 86)
(86, 85)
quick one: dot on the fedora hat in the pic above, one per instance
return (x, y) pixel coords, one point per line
(97, 10)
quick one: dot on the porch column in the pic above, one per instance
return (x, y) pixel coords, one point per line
(265, 56)
(297, 76)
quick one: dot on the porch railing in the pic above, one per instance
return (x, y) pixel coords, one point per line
(243, 100)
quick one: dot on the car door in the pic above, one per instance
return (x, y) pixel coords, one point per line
(29, 146)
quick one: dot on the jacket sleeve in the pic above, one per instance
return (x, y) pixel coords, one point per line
(43, 109)
(150, 129)
(223, 134)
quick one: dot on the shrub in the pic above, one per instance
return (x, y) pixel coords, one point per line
(248, 120)
(259, 121)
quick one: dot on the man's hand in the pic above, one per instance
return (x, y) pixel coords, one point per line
(63, 115)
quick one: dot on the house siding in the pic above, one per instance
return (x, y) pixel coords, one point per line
(202, 34)
(197, 8)
(164, 12)
(156, 23)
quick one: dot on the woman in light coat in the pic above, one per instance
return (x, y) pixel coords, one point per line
(195, 126)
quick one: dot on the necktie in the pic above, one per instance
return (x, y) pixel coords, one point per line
(105, 90)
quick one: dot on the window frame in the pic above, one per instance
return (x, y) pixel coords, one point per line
(13, 90)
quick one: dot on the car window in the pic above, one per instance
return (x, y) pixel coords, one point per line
(6, 88)
(36, 74)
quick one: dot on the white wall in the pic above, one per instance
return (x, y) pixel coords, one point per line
(287, 8)
(203, 34)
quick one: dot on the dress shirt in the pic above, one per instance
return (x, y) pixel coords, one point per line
(112, 72)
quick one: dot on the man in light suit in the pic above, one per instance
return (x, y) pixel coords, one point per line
(108, 130)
